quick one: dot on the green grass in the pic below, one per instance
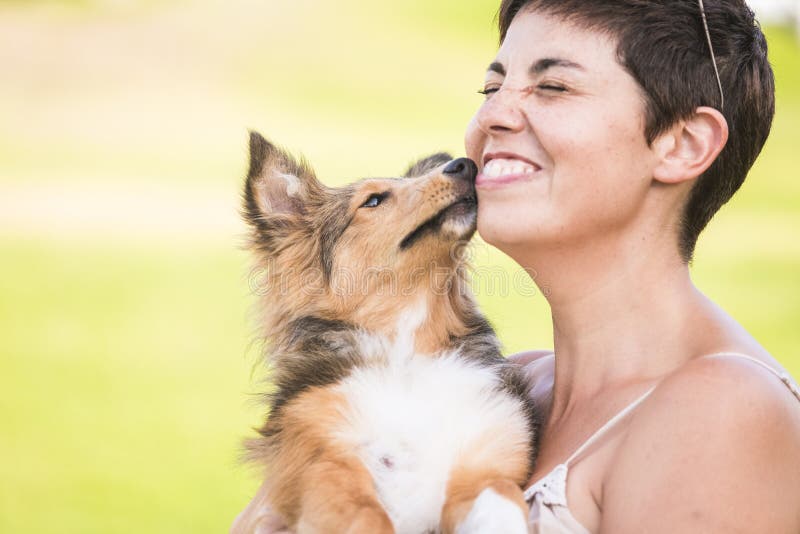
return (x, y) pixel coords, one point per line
(125, 368)
(113, 372)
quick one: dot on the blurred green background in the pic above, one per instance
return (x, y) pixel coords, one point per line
(125, 355)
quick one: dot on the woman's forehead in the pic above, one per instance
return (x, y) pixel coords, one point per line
(543, 41)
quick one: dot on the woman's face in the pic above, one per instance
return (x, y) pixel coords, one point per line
(559, 140)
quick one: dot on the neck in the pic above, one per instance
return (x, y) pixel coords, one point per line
(620, 314)
(431, 312)
(432, 316)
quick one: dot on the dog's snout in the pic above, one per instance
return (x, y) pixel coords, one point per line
(463, 168)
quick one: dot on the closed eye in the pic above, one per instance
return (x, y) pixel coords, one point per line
(489, 91)
(556, 88)
(375, 200)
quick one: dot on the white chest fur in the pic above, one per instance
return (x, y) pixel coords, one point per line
(411, 416)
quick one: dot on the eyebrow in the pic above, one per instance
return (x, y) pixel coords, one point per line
(538, 67)
(498, 68)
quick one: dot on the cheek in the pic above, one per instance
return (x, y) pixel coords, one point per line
(603, 174)
(355, 252)
(474, 141)
(569, 137)
(594, 147)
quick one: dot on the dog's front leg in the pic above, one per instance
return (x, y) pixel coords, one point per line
(340, 498)
(480, 501)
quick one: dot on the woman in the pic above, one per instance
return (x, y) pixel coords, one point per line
(611, 133)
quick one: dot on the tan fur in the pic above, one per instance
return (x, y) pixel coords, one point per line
(364, 256)
(508, 472)
(366, 267)
(316, 482)
(340, 497)
(465, 486)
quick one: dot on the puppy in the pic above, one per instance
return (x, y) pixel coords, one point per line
(391, 408)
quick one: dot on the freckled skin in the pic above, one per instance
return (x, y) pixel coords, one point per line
(588, 140)
(597, 221)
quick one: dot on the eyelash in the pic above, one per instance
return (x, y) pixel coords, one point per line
(557, 88)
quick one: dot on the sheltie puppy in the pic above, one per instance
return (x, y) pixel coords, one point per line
(391, 408)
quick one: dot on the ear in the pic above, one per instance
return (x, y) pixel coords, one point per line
(277, 185)
(426, 165)
(689, 148)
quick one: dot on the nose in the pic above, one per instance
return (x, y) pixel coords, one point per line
(462, 168)
(502, 112)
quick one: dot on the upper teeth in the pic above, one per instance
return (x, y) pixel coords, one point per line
(507, 167)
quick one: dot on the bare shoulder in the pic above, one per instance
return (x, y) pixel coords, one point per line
(715, 448)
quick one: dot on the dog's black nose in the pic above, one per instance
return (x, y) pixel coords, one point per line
(463, 168)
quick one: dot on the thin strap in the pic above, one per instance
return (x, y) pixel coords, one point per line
(609, 424)
(784, 377)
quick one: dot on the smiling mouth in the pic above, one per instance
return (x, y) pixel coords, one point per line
(464, 206)
(500, 167)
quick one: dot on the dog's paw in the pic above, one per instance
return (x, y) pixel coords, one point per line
(492, 513)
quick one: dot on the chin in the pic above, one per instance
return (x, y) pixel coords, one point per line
(505, 228)
(501, 240)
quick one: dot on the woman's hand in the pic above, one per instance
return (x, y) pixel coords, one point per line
(540, 375)
(524, 358)
(258, 517)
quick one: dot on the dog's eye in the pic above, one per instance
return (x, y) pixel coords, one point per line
(374, 200)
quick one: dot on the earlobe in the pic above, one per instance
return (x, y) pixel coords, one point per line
(689, 148)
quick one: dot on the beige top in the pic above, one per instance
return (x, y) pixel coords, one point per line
(550, 514)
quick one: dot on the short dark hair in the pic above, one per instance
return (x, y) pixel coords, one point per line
(662, 43)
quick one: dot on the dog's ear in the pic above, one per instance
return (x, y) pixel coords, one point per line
(427, 164)
(277, 184)
(277, 193)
